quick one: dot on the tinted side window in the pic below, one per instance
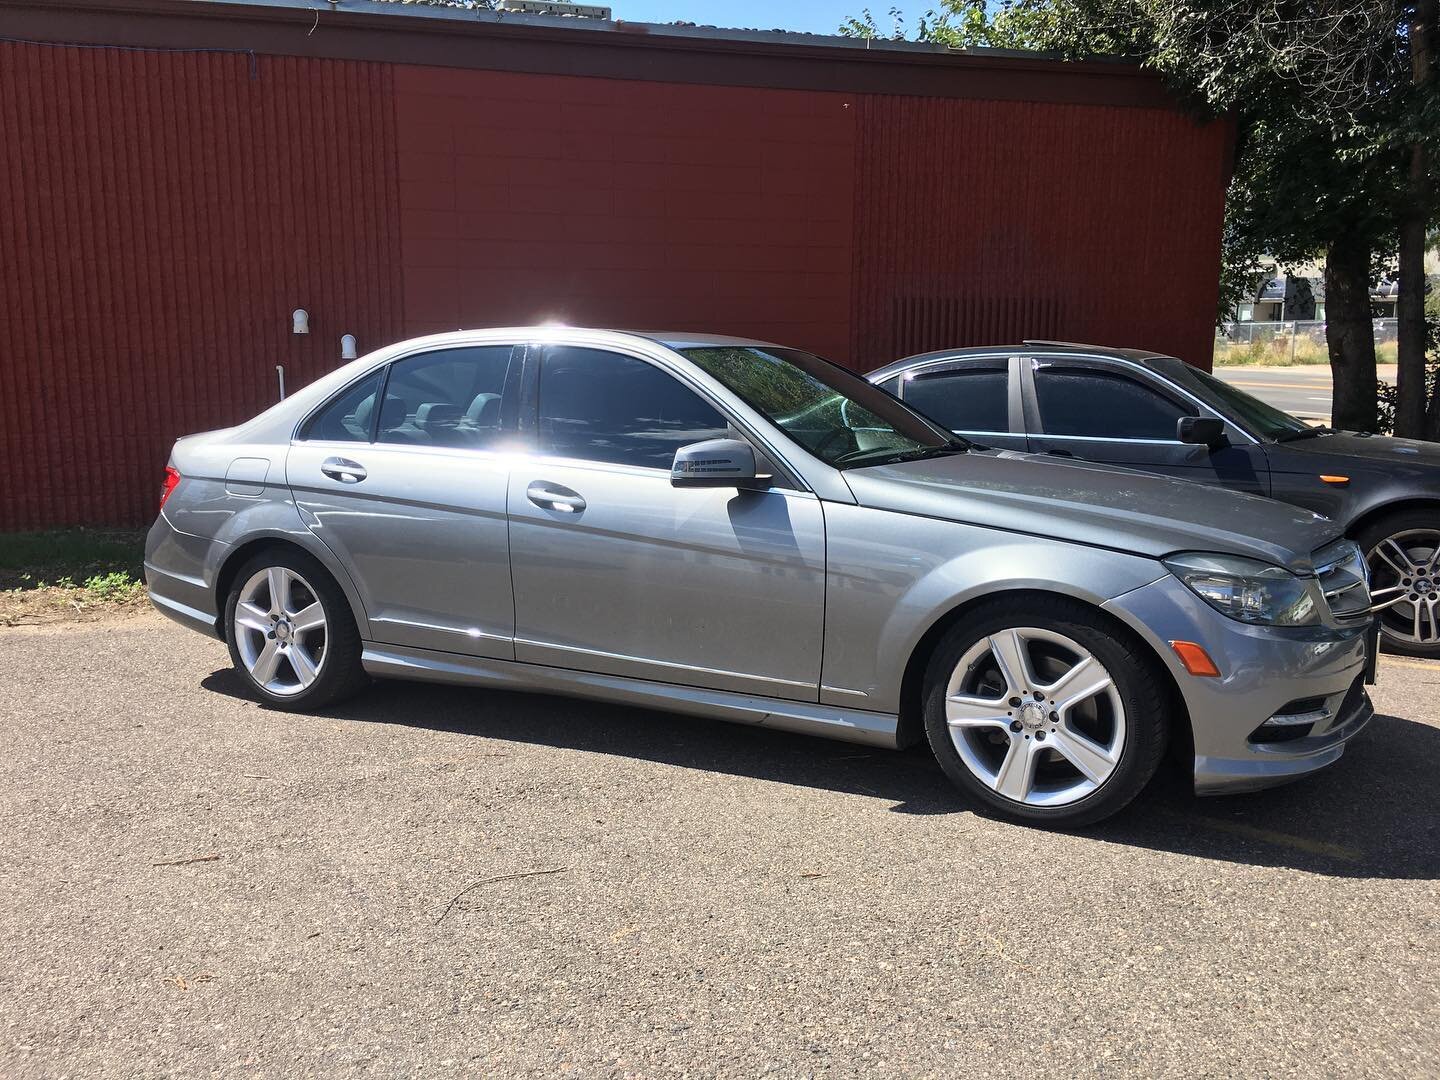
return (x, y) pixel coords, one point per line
(446, 398)
(346, 417)
(1102, 405)
(601, 406)
(973, 400)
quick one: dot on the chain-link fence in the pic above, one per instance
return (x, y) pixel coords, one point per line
(1285, 343)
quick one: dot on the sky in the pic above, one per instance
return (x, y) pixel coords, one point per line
(816, 16)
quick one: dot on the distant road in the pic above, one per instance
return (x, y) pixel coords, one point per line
(1302, 390)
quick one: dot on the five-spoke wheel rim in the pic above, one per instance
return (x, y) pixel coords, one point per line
(280, 631)
(1035, 716)
(1405, 585)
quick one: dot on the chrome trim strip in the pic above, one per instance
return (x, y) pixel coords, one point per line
(473, 633)
(1111, 439)
(664, 663)
(842, 690)
(828, 721)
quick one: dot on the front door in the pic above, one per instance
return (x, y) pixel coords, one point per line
(618, 572)
(1106, 413)
(411, 496)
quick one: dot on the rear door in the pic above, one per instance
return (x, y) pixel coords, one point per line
(1112, 413)
(410, 494)
(977, 397)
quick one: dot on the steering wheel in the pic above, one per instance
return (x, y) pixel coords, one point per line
(836, 433)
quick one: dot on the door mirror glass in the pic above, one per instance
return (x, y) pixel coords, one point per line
(713, 463)
(1200, 430)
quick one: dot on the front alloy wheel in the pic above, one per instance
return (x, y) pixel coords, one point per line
(1405, 586)
(1044, 710)
(1035, 716)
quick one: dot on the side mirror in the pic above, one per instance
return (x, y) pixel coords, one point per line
(713, 463)
(1200, 430)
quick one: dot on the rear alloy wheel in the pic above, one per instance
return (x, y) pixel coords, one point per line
(1403, 553)
(290, 632)
(1044, 717)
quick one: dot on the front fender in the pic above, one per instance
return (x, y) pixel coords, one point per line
(892, 577)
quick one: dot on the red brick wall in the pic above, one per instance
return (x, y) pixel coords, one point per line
(160, 217)
(988, 222)
(162, 213)
(627, 204)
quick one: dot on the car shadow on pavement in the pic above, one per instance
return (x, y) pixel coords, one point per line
(1374, 814)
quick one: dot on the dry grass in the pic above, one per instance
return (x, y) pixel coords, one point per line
(1277, 353)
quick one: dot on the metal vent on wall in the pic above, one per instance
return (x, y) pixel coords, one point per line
(922, 323)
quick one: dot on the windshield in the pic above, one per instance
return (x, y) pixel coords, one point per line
(1264, 420)
(837, 416)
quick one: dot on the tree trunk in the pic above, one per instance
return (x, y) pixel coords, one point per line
(1350, 334)
(1410, 418)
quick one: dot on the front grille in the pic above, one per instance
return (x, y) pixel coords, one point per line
(1344, 579)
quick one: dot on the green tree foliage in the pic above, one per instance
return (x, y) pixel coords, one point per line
(1327, 116)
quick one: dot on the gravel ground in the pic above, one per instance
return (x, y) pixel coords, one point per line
(195, 885)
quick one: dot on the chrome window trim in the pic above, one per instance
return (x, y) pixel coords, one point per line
(1113, 439)
(413, 449)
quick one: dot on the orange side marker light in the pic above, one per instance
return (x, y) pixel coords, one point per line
(1340, 480)
(1196, 660)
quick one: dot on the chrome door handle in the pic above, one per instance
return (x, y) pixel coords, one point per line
(344, 470)
(554, 497)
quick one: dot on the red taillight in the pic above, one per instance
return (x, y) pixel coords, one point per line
(169, 484)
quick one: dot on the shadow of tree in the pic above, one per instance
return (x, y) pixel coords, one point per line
(1375, 814)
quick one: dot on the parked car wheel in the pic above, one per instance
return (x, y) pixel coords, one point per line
(1403, 551)
(1037, 710)
(292, 637)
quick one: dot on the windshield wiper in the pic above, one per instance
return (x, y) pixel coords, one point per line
(1307, 433)
(894, 457)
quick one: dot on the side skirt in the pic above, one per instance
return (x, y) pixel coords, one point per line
(827, 721)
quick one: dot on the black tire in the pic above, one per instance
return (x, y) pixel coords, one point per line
(340, 673)
(1146, 702)
(1369, 538)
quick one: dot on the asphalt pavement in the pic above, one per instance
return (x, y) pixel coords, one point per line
(1304, 390)
(444, 882)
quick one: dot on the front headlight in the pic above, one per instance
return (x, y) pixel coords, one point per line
(1246, 590)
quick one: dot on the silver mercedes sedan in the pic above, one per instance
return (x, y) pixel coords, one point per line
(737, 530)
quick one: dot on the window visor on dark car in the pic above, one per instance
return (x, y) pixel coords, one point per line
(833, 413)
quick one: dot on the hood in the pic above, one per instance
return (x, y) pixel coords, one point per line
(1394, 454)
(1097, 505)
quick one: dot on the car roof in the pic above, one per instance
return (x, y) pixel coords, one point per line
(1049, 348)
(674, 339)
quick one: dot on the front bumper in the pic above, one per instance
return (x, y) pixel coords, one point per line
(1263, 670)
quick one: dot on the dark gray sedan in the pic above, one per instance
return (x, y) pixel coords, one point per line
(1146, 411)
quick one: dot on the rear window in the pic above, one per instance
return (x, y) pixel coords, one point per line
(347, 417)
(977, 399)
